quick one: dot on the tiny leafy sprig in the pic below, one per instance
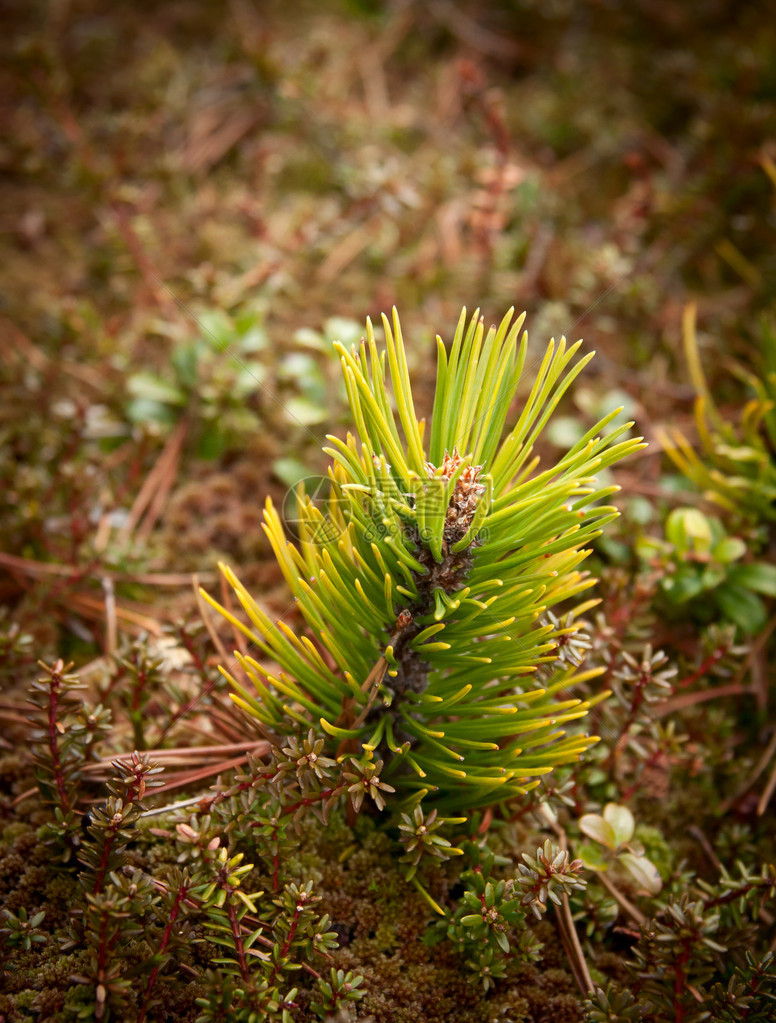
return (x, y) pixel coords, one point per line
(262, 945)
(20, 930)
(548, 875)
(488, 926)
(420, 838)
(64, 735)
(111, 826)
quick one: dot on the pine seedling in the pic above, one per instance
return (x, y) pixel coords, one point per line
(425, 583)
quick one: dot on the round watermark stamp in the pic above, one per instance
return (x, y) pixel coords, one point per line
(307, 511)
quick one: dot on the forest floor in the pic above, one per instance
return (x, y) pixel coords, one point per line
(196, 199)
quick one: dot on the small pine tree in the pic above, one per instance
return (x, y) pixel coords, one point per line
(426, 581)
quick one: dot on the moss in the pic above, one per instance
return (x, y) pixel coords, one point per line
(14, 831)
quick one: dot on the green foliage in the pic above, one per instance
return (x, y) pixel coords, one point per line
(429, 576)
(421, 841)
(116, 903)
(64, 736)
(20, 930)
(749, 996)
(203, 382)
(701, 567)
(488, 926)
(737, 467)
(221, 144)
(111, 827)
(691, 961)
(340, 989)
(218, 380)
(140, 678)
(547, 875)
(113, 915)
(489, 914)
(613, 830)
(611, 1006)
(251, 981)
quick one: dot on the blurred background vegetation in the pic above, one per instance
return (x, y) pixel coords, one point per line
(197, 197)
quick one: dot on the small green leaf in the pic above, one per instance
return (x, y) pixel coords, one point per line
(594, 826)
(253, 340)
(144, 410)
(742, 607)
(153, 388)
(643, 872)
(217, 328)
(758, 576)
(688, 528)
(290, 471)
(565, 431)
(621, 821)
(303, 411)
(471, 920)
(348, 332)
(593, 857)
(684, 586)
(730, 549)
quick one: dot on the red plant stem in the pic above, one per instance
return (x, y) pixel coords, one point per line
(286, 946)
(180, 896)
(680, 982)
(135, 712)
(112, 830)
(234, 923)
(102, 867)
(105, 947)
(635, 707)
(309, 800)
(732, 895)
(102, 955)
(53, 734)
(706, 666)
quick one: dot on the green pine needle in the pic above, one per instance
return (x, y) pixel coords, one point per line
(431, 571)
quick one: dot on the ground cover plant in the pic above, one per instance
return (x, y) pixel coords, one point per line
(445, 738)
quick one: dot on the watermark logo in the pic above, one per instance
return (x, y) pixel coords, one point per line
(307, 508)
(317, 512)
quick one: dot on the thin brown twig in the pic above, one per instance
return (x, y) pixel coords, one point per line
(150, 485)
(691, 699)
(568, 931)
(111, 629)
(204, 612)
(633, 911)
(167, 474)
(762, 763)
(258, 746)
(707, 847)
(28, 566)
(94, 608)
(765, 798)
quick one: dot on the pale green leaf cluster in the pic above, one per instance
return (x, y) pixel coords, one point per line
(735, 466)
(425, 582)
